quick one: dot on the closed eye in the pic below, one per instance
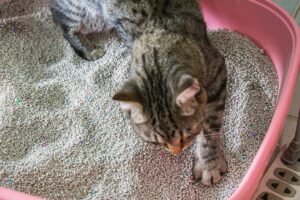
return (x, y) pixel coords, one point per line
(164, 145)
(155, 143)
(191, 137)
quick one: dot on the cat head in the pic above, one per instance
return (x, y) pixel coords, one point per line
(169, 121)
(164, 99)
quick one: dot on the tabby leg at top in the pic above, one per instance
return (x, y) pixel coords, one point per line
(209, 162)
(83, 47)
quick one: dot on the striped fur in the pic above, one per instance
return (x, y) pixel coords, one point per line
(177, 88)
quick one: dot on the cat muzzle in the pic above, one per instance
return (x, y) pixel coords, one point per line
(176, 150)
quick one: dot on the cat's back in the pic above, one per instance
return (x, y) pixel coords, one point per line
(65, 5)
(133, 11)
(132, 18)
(138, 16)
(149, 8)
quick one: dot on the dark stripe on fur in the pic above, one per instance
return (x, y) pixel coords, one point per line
(217, 94)
(220, 107)
(215, 126)
(217, 75)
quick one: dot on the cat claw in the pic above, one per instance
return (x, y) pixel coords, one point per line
(210, 177)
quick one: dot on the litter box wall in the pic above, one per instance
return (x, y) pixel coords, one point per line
(276, 32)
(264, 22)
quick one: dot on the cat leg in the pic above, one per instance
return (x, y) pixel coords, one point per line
(70, 17)
(209, 162)
(83, 47)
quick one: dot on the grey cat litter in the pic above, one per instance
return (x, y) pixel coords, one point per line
(62, 137)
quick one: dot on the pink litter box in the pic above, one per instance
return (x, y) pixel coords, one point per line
(277, 33)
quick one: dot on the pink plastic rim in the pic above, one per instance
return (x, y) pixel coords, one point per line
(226, 14)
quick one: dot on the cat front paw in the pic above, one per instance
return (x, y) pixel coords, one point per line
(210, 175)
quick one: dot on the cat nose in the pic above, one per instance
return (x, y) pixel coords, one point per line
(176, 150)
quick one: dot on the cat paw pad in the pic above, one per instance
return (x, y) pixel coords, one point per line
(210, 176)
(95, 54)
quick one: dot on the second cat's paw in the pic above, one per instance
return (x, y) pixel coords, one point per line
(210, 176)
(95, 54)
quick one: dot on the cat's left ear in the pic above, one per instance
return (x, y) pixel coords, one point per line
(131, 101)
(188, 88)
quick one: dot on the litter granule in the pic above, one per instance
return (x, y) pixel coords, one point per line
(62, 137)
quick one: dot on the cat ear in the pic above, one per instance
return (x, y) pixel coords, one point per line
(131, 101)
(188, 88)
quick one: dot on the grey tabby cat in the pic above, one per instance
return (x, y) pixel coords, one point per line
(176, 92)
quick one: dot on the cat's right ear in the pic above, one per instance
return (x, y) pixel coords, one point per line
(131, 101)
(188, 87)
